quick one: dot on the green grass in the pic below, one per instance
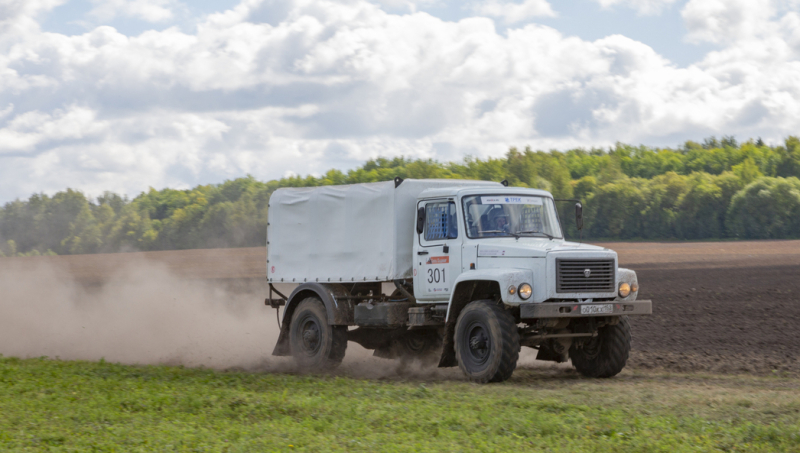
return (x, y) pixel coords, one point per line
(51, 405)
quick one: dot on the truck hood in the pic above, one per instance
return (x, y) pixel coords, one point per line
(529, 247)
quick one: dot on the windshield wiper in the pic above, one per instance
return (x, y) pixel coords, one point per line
(536, 232)
(516, 235)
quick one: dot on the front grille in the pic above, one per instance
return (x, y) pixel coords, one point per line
(571, 276)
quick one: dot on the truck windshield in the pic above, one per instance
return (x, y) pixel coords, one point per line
(510, 215)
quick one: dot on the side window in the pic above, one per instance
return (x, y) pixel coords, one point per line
(440, 221)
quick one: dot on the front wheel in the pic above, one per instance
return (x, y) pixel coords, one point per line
(315, 344)
(605, 355)
(486, 342)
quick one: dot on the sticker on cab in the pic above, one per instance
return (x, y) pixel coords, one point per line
(512, 200)
(438, 260)
(435, 275)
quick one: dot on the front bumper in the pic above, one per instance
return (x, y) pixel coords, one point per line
(575, 310)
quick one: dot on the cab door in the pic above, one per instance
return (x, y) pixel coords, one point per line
(437, 260)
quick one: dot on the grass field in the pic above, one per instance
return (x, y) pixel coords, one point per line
(51, 405)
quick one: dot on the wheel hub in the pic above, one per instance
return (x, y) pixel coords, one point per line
(478, 342)
(310, 336)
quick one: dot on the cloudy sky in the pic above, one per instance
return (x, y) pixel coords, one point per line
(123, 95)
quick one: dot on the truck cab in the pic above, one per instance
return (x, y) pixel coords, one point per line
(480, 270)
(468, 234)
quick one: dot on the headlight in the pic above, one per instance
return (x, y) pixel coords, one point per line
(512, 290)
(624, 289)
(635, 287)
(525, 291)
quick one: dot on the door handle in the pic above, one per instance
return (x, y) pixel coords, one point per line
(422, 252)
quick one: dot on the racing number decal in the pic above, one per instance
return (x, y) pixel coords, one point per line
(436, 274)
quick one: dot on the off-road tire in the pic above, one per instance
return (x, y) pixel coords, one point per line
(605, 355)
(315, 344)
(422, 346)
(486, 342)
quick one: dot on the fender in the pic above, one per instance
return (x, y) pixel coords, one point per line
(503, 277)
(478, 284)
(340, 311)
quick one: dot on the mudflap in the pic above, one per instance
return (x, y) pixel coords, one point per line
(283, 348)
(448, 358)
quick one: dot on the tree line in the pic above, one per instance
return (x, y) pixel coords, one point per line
(712, 190)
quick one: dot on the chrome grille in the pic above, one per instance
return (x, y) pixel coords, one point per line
(571, 276)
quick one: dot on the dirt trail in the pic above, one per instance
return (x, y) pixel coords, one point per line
(718, 306)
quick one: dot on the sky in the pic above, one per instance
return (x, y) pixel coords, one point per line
(123, 95)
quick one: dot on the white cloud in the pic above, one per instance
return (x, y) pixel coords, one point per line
(759, 59)
(644, 7)
(720, 21)
(408, 5)
(790, 30)
(24, 132)
(512, 13)
(148, 10)
(19, 16)
(329, 84)
(6, 111)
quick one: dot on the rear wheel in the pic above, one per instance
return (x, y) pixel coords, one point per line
(315, 344)
(486, 342)
(605, 355)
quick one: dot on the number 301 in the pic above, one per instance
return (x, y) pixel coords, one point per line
(435, 275)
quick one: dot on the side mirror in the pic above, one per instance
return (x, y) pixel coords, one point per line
(420, 219)
(579, 215)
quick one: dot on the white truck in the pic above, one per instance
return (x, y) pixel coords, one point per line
(476, 270)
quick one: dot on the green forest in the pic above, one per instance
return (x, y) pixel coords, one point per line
(718, 189)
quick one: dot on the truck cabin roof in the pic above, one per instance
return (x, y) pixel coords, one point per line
(452, 192)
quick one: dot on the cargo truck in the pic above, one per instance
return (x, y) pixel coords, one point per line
(450, 272)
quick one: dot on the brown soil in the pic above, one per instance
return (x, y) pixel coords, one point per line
(717, 306)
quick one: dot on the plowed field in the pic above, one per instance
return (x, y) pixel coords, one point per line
(721, 307)
(718, 306)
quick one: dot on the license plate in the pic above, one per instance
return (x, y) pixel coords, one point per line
(601, 309)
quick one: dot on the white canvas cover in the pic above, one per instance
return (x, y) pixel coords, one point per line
(358, 232)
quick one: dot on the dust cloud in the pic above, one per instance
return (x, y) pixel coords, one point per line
(144, 314)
